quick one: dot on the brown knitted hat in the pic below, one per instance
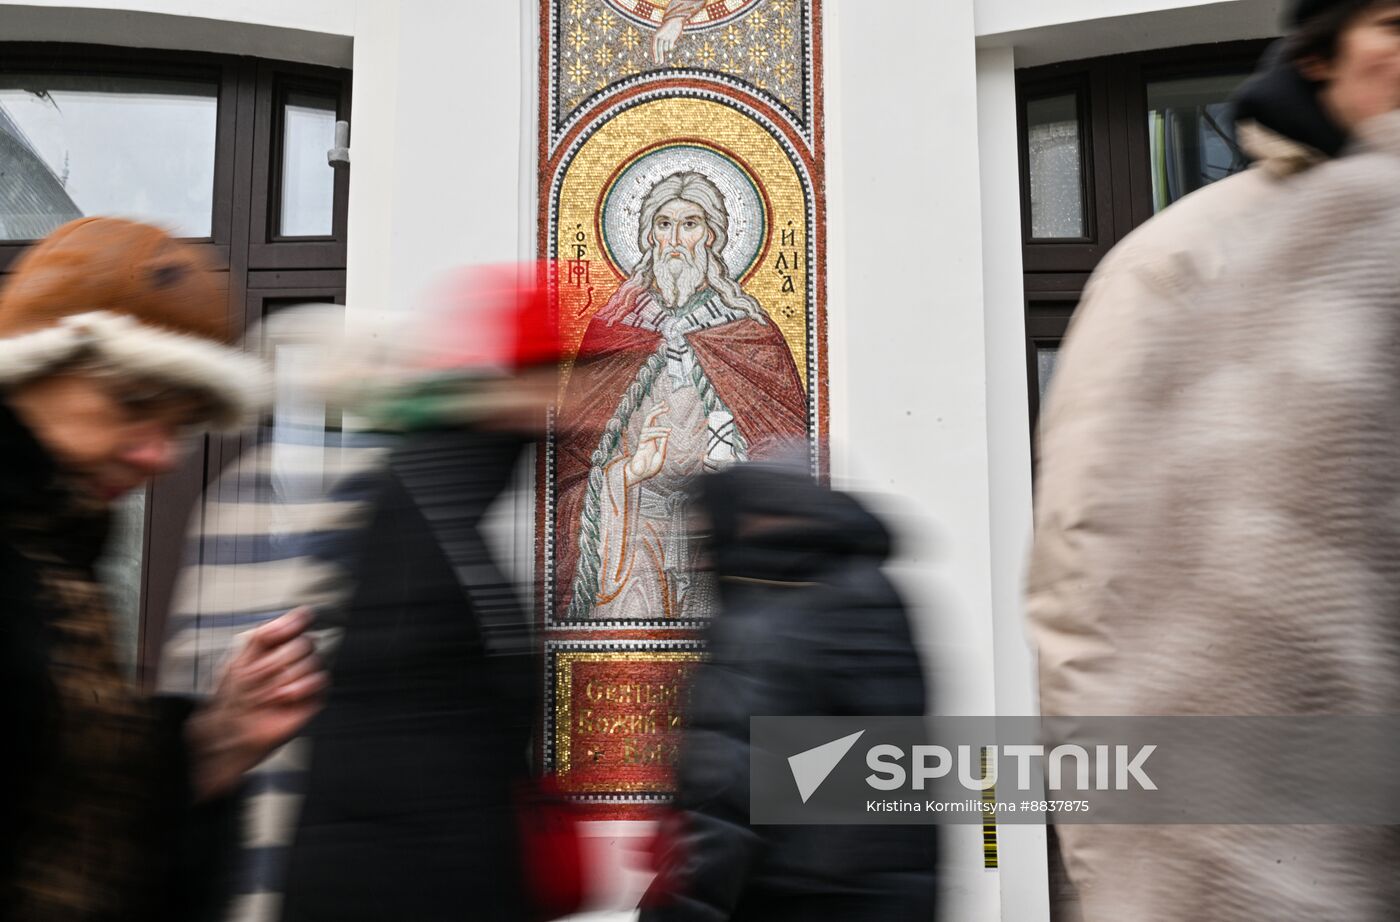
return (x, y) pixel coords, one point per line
(131, 297)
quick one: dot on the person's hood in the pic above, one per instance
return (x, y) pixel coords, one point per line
(1280, 122)
(130, 298)
(775, 523)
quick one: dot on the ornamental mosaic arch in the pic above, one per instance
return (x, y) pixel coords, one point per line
(682, 202)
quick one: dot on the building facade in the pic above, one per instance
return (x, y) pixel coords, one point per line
(915, 192)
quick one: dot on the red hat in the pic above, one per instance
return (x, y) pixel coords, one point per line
(492, 318)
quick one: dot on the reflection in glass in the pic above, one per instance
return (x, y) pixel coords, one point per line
(1045, 358)
(137, 147)
(1191, 135)
(1056, 167)
(308, 180)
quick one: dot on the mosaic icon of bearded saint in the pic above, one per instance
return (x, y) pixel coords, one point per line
(680, 372)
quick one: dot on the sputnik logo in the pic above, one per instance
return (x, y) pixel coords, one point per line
(811, 767)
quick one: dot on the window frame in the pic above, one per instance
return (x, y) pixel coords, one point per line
(254, 264)
(1068, 254)
(1048, 313)
(78, 60)
(1150, 67)
(269, 249)
(1117, 155)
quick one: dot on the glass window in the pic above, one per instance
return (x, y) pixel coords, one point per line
(1045, 358)
(298, 422)
(1191, 135)
(308, 179)
(120, 571)
(1056, 167)
(75, 145)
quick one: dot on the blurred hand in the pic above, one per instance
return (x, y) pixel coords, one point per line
(270, 689)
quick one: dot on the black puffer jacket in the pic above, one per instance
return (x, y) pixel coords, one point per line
(809, 626)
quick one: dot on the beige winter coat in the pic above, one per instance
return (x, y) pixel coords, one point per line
(1218, 514)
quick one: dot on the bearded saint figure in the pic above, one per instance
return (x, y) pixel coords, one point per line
(679, 373)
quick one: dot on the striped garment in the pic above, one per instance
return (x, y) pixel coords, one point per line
(277, 530)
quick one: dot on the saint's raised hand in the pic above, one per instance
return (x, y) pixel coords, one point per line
(650, 455)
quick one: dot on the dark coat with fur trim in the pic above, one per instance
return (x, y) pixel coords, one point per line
(97, 817)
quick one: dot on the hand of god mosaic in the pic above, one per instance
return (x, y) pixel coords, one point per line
(665, 38)
(671, 18)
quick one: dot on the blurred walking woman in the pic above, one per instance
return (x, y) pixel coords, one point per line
(113, 347)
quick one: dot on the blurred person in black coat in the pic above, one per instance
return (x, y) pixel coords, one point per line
(408, 812)
(417, 760)
(808, 625)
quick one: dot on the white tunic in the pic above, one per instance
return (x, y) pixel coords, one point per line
(646, 565)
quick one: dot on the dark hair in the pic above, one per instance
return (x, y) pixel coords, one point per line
(1318, 35)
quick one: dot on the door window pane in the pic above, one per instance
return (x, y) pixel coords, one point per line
(308, 179)
(1045, 358)
(75, 145)
(1191, 135)
(1056, 167)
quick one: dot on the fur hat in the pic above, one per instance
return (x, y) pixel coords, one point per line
(133, 299)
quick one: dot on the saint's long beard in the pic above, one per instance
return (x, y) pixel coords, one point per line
(677, 279)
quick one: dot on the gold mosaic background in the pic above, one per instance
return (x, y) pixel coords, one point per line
(598, 46)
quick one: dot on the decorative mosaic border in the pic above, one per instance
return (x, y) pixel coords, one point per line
(800, 135)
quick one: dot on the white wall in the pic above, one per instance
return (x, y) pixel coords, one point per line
(311, 31)
(1066, 30)
(435, 146)
(994, 16)
(1021, 849)
(908, 350)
